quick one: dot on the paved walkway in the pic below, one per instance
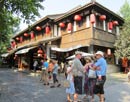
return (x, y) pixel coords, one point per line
(25, 87)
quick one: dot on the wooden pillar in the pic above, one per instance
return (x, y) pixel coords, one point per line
(91, 49)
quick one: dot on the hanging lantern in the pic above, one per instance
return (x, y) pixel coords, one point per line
(110, 25)
(40, 52)
(109, 51)
(92, 18)
(69, 27)
(32, 35)
(45, 56)
(62, 25)
(115, 23)
(21, 39)
(38, 28)
(17, 38)
(47, 29)
(13, 44)
(77, 18)
(102, 17)
(25, 34)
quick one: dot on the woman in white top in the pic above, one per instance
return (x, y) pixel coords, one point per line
(71, 90)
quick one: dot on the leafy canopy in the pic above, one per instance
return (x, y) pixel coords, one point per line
(122, 43)
(12, 11)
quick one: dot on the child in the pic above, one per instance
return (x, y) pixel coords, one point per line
(71, 90)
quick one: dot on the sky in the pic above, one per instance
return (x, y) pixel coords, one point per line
(61, 6)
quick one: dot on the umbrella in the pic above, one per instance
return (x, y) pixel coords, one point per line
(84, 54)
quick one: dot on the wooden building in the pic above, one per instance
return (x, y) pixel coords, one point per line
(87, 28)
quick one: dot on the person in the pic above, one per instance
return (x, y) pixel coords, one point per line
(101, 74)
(65, 69)
(50, 69)
(90, 79)
(55, 72)
(77, 70)
(35, 65)
(45, 72)
(71, 90)
(124, 64)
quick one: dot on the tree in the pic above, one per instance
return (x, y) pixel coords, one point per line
(122, 44)
(12, 11)
(124, 10)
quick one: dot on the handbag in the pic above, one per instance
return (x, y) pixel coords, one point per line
(99, 82)
(66, 83)
(43, 68)
(91, 73)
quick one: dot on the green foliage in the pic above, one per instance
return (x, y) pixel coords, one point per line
(11, 12)
(124, 10)
(122, 44)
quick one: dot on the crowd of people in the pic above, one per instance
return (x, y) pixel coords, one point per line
(85, 76)
(91, 76)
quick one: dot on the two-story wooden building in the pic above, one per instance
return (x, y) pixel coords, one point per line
(87, 28)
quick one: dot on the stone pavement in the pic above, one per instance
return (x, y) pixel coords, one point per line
(25, 87)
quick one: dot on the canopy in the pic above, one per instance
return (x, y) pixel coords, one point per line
(84, 54)
(22, 51)
(66, 49)
(4, 54)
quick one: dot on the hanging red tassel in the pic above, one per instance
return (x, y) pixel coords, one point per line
(47, 29)
(92, 18)
(69, 27)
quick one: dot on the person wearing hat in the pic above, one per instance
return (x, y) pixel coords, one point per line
(101, 67)
(77, 70)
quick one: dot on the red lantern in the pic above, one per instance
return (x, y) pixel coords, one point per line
(25, 34)
(77, 18)
(40, 52)
(32, 35)
(62, 25)
(47, 29)
(38, 28)
(109, 51)
(102, 17)
(69, 27)
(115, 23)
(45, 56)
(21, 39)
(110, 25)
(13, 44)
(17, 38)
(92, 18)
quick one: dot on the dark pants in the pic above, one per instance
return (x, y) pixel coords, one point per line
(78, 84)
(99, 89)
(55, 78)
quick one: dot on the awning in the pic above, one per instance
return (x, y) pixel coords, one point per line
(84, 54)
(4, 54)
(66, 49)
(24, 50)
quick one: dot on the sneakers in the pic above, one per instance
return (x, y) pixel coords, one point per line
(52, 86)
(58, 85)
